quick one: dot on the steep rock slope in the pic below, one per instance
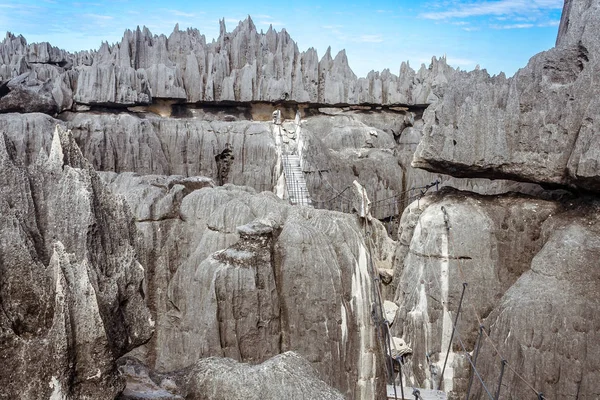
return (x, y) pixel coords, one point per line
(539, 126)
(71, 287)
(447, 240)
(557, 350)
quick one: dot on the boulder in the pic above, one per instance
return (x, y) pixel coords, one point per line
(285, 376)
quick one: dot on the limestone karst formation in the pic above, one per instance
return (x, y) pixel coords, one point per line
(150, 246)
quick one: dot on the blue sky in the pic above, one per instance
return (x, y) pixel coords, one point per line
(499, 35)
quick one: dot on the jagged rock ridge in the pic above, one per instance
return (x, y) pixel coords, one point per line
(240, 66)
(71, 286)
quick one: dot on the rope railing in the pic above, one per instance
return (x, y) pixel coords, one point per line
(381, 323)
(483, 333)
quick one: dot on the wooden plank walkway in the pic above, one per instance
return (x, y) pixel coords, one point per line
(425, 394)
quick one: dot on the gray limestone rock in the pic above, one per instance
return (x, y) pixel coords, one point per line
(241, 66)
(285, 376)
(489, 244)
(70, 283)
(232, 273)
(546, 324)
(539, 126)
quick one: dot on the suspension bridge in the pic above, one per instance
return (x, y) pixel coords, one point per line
(346, 200)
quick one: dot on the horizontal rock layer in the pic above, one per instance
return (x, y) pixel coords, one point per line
(539, 126)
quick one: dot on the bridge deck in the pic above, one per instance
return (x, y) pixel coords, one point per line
(425, 394)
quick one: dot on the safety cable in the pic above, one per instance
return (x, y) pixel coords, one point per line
(479, 320)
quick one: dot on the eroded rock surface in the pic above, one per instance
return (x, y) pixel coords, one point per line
(489, 244)
(539, 126)
(71, 287)
(285, 376)
(232, 273)
(242, 66)
(546, 325)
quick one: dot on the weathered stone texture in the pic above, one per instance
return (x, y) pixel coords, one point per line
(243, 65)
(489, 244)
(232, 273)
(539, 126)
(70, 284)
(547, 325)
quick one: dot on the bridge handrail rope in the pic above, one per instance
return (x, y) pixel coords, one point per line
(462, 345)
(398, 195)
(379, 313)
(488, 339)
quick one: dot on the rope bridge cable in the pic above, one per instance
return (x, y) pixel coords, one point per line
(387, 337)
(488, 339)
(462, 344)
(455, 330)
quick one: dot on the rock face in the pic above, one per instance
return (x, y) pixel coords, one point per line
(225, 290)
(243, 275)
(240, 66)
(71, 286)
(555, 351)
(432, 263)
(337, 147)
(539, 126)
(286, 376)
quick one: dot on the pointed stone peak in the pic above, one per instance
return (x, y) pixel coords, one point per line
(327, 54)
(222, 28)
(56, 157)
(341, 57)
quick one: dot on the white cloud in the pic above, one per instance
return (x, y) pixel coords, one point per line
(513, 26)
(549, 23)
(182, 14)
(99, 17)
(497, 8)
(470, 29)
(370, 39)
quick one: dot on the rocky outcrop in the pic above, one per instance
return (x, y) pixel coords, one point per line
(445, 241)
(285, 376)
(376, 148)
(539, 126)
(71, 287)
(555, 350)
(236, 274)
(153, 145)
(337, 147)
(241, 66)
